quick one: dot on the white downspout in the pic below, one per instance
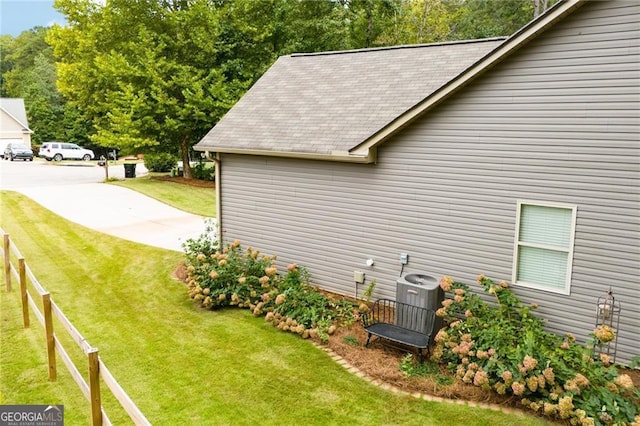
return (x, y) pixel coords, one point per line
(217, 173)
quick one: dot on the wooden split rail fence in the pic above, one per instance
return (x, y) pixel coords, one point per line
(97, 368)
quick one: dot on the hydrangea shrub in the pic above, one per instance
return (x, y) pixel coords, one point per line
(503, 347)
(244, 278)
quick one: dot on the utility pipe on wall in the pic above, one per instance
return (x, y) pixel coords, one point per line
(217, 173)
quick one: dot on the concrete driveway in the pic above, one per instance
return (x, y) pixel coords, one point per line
(74, 191)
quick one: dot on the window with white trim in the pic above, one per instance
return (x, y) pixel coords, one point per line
(543, 249)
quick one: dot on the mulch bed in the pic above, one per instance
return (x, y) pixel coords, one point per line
(381, 361)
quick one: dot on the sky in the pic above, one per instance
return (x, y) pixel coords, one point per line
(17, 16)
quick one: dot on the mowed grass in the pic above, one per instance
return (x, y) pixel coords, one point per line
(179, 364)
(200, 201)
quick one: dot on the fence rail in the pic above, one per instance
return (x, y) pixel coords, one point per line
(96, 368)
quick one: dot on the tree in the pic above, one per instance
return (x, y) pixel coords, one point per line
(423, 21)
(156, 75)
(373, 22)
(144, 72)
(28, 71)
(6, 46)
(490, 18)
(44, 104)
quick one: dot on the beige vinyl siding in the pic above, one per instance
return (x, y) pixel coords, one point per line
(557, 122)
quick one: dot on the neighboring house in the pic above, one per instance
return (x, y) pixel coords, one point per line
(518, 159)
(14, 127)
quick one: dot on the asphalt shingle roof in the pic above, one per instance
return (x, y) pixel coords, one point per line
(331, 102)
(15, 107)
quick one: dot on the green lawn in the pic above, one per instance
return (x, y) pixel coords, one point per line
(179, 364)
(200, 201)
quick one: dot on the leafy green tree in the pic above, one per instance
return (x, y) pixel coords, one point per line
(374, 22)
(146, 73)
(6, 46)
(28, 71)
(423, 21)
(45, 106)
(19, 56)
(490, 18)
(155, 75)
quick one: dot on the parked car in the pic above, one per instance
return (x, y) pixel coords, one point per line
(18, 151)
(59, 151)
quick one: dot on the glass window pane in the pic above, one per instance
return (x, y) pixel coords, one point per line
(549, 226)
(542, 267)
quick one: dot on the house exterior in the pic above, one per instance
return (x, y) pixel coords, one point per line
(521, 161)
(14, 126)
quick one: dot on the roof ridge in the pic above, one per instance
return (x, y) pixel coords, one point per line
(403, 46)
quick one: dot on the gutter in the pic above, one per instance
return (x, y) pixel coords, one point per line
(368, 156)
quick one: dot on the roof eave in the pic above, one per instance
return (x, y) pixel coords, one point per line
(513, 43)
(368, 157)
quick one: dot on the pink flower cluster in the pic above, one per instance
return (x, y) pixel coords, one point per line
(624, 381)
(606, 359)
(441, 336)
(549, 375)
(481, 378)
(446, 283)
(507, 376)
(463, 349)
(517, 388)
(528, 364)
(565, 406)
(441, 312)
(576, 384)
(263, 280)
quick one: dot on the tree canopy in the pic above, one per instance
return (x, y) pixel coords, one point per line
(156, 75)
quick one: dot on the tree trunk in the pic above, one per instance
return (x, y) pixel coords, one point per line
(539, 6)
(184, 153)
(369, 36)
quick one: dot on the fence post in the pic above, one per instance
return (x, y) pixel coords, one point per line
(48, 328)
(94, 387)
(23, 292)
(7, 261)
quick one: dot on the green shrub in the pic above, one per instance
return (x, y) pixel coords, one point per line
(503, 347)
(203, 171)
(161, 162)
(206, 243)
(244, 278)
